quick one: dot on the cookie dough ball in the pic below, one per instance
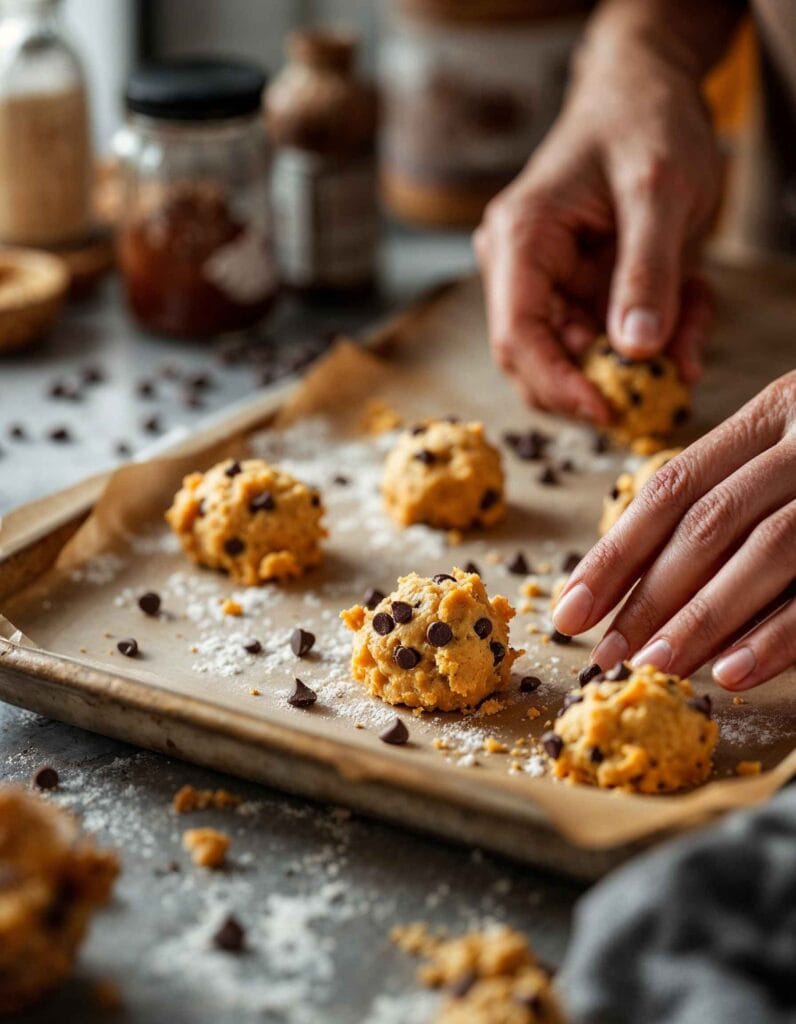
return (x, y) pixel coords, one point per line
(628, 485)
(250, 519)
(647, 396)
(437, 643)
(446, 475)
(52, 880)
(634, 729)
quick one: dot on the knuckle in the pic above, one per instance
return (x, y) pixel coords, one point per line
(699, 621)
(669, 487)
(775, 537)
(646, 275)
(651, 176)
(640, 617)
(604, 556)
(710, 519)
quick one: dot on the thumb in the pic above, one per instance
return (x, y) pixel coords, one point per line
(645, 290)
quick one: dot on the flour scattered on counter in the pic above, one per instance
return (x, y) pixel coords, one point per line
(99, 570)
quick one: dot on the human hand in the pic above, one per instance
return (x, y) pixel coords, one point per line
(711, 540)
(604, 227)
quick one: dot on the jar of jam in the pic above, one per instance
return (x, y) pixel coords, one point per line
(195, 239)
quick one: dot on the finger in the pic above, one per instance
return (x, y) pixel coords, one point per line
(713, 526)
(645, 290)
(617, 560)
(754, 575)
(762, 654)
(697, 308)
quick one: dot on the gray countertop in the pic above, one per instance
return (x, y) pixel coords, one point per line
(316, 889)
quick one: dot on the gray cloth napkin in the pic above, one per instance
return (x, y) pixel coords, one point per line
(703, 931)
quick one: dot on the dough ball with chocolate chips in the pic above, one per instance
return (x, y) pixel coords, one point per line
(52, 879)
(445, 474)
(628, 485)
(437, 643)
(647, 396)
(252, 520)
(639, 730)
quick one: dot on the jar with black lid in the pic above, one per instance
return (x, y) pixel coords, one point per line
(195, 245)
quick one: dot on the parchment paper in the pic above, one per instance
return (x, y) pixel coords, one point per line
(438, 365)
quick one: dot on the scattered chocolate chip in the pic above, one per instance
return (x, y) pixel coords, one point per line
(483, 627)
(498, 652)
(383, 623)
(46, 778)
(511, 439)
(569, 700)
(528, 684)
(655, 368)
(587, 674)
(570, 562)
(450, 418)
(529, 446)
(439, 634)
(518, 564)
(596, 756)
(233, 468)
(396, 733)
(129, 648)
(600, 444)
(406, 657)
(200, 381)
(635, 397)
(262, 502)
(560, 638)
(234, 546)
(301, 642)
(302, 696)
(61, 435)
(340, 480)
(489, 499)
(252, 646)
(618, 673)
(681, 416)
(462, 985)
(145, 389)
(372, 597)
(401, 611)
(63, 389)
(548, 477)
(552, 743)
(425, 456)
(92, 374)
(149, 603)
(567, 466)
(315, 501)
(152, 425)
(230, 936)
(703, 704)
(472, 567)
(418, 429)
(614, 493)
(17, 432)
(442, 576)
(122, 449)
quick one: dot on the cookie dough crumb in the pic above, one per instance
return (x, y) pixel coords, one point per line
(188, 799)
(254, 692)
(532, 588)
(533, 713)
(490, 707)
(646, 445)
(748, 768)
(208, 847)
(230, 607)
(738, 700)
(379, 417)
(440, 744)
(494, 746)
(454, 538)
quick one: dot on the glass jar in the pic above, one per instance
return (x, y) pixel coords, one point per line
(45, 148)
(195, 235)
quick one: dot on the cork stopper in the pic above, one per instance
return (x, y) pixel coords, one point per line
(327, 49)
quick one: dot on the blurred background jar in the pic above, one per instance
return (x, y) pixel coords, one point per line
(45, 148)
(195, 247)
(470, 88)
(323, 118)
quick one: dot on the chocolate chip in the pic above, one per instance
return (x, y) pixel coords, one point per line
(498, 652)
(552, 743)
(681, 416)
(234, 546)
(425, 456)
(570, 562)
(396, 733)
(489, 499)
(152, 425)
(145, 389)
(372, 597)
(129, 647)
(46, 778)
(596, 756)
(315, 500)
(560, 638)
(401, 611)
(518, 564)
(201, 381)
(340, 480)
(383, 623)
(92, 374)
(252, 646)
(548, 477)
(302, 696)
(530, 446)
(63, 389)
(462, 985)
(569, 700)
(567, 466)
(528, 684)
(231, 936)
(122, 449)
(450, 418)
(301, 641)
(483, 627)
(600, 444)
(406, 657)
(587, 674)
(614, 493)
(262, 502)
(439, 634)
(511, 439)
(472, 567)
(233, 468)
(618, 673)
(703, 704)
(418, 429)
(61, 435)
(17, 432)
(442, 576)
(149, 603)
(655, 368)
(635, 397)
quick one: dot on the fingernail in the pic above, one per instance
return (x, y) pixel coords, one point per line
(641, 330)
(612, 649)
(658, 653)
(572, 611)
(734, 667)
